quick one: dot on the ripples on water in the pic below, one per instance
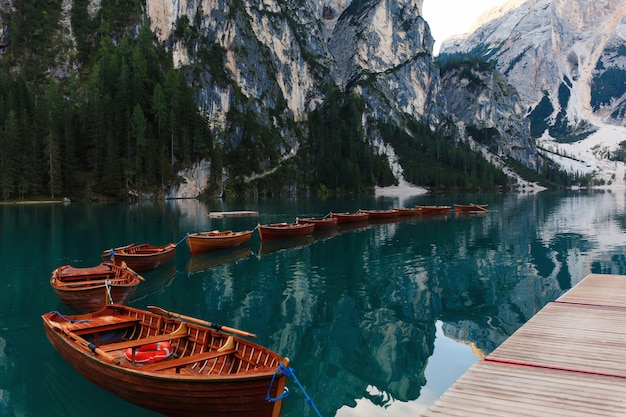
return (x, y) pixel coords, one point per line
(378, 319)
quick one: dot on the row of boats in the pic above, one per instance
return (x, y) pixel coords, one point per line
(216, 240)
(167, 362)
(115, 279)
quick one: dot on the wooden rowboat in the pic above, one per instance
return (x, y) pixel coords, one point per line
(86, 290)
(210, 373)
(285, 230)
(319, 222)
(381, 214)
(467, 208)
(408, 211)
(435, 209)
(141, 258)
(216, 240)
(359, 216)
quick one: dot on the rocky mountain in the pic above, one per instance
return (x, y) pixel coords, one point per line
(567, 61)
(272, 64)
(380, 50)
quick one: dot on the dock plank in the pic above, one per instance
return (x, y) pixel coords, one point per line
(567, 360)
(240, 213)
(599, 289)
(575, 337)
(494, 389)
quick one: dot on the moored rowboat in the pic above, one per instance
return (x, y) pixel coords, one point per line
(359, 216)
(85, 290)
(381, 214)
(209, 374)
(466, 208)
(141, 258)
(285, 230)
(408, 211)
(216, 240)
(319, 222)
(435, 209)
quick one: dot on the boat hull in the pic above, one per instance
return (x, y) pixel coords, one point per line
(469, 208)
(141, 258)
(175, 394)
(408, 211)
(216, 240)
(319, 222)
(435, 209)
(350, 217)
(285, 230)
(381, 214)
(84, 290)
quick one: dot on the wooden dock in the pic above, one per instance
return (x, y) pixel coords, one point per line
(568, 360)
(241, 213)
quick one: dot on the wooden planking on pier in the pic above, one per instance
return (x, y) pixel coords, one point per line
(567, 360)
(598, 289)
(240, 213)
(500, 390)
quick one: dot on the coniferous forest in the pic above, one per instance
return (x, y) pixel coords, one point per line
(125, 119)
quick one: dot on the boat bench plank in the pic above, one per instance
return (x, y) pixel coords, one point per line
(185, 360)
(97, 326)
(140, 342)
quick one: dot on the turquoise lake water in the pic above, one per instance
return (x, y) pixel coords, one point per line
(378, 319)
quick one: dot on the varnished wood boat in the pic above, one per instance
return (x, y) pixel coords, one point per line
(319, 222)
(285, 230)
(215, 240)
(211, 373)
(141, 258)
(435, 209)
(467, 208)
(408, 211)
(359, 216)
(381, 214)
(86, 290)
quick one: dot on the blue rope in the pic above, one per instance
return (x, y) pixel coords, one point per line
(69, 320)
(182, 240)
(289, 372)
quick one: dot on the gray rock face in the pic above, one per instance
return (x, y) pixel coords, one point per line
(564, 57)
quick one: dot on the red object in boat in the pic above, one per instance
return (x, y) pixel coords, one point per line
(150, 353)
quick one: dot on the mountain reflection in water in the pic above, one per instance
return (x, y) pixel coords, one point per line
(378, 320)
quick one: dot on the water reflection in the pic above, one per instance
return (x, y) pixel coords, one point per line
(377, 320)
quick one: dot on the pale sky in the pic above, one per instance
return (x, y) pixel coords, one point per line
(453, 17)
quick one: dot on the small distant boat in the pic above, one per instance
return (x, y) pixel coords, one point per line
(86, 290)
(141, 258)
(408, 211)
(359, 216)
(381, 214)
(285, 230)
(319, 222)
(199, 370)
(434, 209)
(215, 240)
(467, 208)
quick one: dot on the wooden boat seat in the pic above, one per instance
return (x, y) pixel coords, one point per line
(98, 325)
(179, 333)
(80, 278)
(186, 360)
(140, 342)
